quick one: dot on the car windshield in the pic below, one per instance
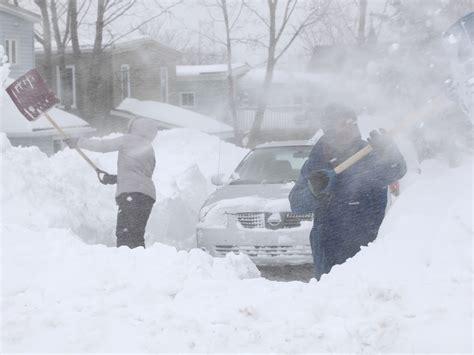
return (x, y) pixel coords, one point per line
(275, 165)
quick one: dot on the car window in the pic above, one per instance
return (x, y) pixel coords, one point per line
(272, 165)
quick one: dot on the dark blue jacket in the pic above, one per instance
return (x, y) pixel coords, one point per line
(350, 215)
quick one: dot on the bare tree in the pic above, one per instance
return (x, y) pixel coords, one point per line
(280, 38)
(230, 75)
(61, 39)
(107, 13)
(228, 14)
(45, 40)
(362, 20)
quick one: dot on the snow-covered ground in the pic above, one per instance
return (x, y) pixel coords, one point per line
(65, 290)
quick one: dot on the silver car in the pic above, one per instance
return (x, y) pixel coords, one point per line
(250, 212)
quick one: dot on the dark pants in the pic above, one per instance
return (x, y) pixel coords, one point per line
(133, 211)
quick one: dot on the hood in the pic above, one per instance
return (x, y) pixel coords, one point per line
(143, 127)
(241, 197)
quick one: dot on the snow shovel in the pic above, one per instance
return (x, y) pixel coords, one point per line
(321, 178)
(33, 98)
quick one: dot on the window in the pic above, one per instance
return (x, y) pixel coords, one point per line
(272, 165)
(67, 86)
(244, 98)
(11, 48)
(164, 83)
(58, 145)
(125, 80)
(187, 99)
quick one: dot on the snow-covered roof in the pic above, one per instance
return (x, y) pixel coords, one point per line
(256, 76)
(19, 12)
(195, 70)
(173, 116)
(126, 43)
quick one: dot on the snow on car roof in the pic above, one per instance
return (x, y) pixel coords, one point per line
(283, 144)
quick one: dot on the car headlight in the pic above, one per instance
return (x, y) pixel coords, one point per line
(212, 216)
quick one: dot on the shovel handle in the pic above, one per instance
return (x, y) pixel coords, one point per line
(353, 159)
(81, 153)
(417, 116)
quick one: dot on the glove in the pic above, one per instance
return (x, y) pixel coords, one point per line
(321, 182)
(108, 179)
(380, 141)
(72, 142)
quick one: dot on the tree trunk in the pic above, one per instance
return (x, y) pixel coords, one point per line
(61, 54)
(76, 56)
(262, 105)
(95, 105)
(230, 78)
(74, 27)
(362, 21)
(263, 100)
(47, 65)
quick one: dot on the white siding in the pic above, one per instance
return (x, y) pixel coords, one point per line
(12, 27)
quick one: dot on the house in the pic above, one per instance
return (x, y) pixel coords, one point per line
(17, 37)
(139, 68)
(171, 116)
(16, 34)
(288, 99)
(204, 88)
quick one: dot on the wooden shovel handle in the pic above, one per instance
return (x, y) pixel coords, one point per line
(353, 159)
(81, 153)
(441, 102)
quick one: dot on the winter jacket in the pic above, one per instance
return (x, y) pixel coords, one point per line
(350, 215)
(136, 157)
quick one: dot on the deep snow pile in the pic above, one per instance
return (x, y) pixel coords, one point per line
(410, 291)
(63, 192)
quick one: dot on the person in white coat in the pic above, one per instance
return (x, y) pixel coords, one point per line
(136, 193)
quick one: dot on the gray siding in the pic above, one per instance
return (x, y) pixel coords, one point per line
(13, 27)
(145, 77)
(210, 96)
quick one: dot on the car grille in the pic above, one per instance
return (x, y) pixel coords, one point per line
(260, 220)
(264, 250)
(251, 219)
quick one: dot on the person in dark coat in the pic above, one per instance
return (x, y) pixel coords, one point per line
(136, 193)
(350, 207)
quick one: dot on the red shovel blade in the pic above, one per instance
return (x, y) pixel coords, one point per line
(31, 95)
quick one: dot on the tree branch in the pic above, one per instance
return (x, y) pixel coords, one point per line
(286, 17)
(39, 38)
(120, 11)
(255, 12)
(135, 28)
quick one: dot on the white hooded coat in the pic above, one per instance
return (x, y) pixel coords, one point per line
(136, 157)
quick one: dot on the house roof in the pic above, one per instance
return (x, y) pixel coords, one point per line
(19, 12)
(135, 43)
(200, 71)
(124, 45)
(256, 76)
(173, 116)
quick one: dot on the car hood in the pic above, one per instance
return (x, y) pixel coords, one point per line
(261, 197)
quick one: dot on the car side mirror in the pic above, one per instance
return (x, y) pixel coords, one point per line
(218, 179)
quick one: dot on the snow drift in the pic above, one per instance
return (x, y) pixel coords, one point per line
(410, 291)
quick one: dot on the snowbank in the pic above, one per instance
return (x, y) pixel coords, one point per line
(410, 291)
(63, 192)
